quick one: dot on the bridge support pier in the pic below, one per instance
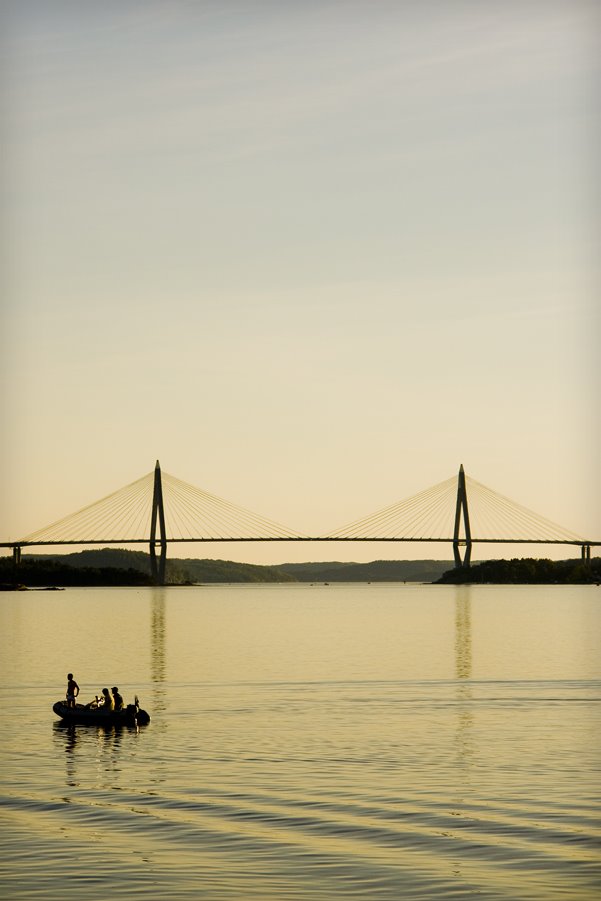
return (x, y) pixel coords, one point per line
(461, 508)
(157, 568)
(586, 554)
(16, 562)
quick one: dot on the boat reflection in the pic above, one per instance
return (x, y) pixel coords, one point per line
(70, 746)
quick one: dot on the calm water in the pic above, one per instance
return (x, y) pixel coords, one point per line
(363, 741)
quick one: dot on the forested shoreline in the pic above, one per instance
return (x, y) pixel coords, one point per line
(526, 571)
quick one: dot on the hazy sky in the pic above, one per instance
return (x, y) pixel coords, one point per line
(310, 255)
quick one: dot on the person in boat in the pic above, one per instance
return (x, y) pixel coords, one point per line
(117, 699)
(72, 690)
(106, 702)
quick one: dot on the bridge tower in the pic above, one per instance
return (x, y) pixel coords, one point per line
(586, 555)
(157, 569)
(461, 508)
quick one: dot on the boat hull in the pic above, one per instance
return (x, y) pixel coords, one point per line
(90, 716)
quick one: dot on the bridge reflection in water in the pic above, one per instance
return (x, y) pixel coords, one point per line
(158, 647)
(463, 672)
(462, 668)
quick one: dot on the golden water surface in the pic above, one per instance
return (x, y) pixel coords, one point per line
(307, 741)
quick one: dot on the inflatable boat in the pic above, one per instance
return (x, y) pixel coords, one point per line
(86, 715)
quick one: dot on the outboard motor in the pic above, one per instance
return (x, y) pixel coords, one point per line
(139, 717)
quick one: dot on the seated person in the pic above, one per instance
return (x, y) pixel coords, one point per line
(117, 699)
(106, 702)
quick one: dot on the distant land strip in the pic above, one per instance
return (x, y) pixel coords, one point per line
(120, 567)
(115, 566)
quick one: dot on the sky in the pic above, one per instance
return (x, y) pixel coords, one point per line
(312, 256)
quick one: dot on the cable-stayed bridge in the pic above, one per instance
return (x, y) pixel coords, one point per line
(158, 509)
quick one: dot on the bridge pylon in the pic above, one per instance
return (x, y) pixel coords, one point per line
(157, 569)
(586, 555)
(461, 508)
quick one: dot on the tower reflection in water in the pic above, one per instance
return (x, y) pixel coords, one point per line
(158, 769)
(158, 656)
(463, 671)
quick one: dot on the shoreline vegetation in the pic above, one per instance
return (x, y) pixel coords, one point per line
(526, 571)
(119, 567)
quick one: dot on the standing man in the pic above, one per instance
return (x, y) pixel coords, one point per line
(72, 690)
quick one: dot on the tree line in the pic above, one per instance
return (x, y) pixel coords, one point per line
(526, 571)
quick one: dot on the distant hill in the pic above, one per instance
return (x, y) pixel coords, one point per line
(226, 571)
(100, 557)
(377, 571)
(178, 571)
(113, 566)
